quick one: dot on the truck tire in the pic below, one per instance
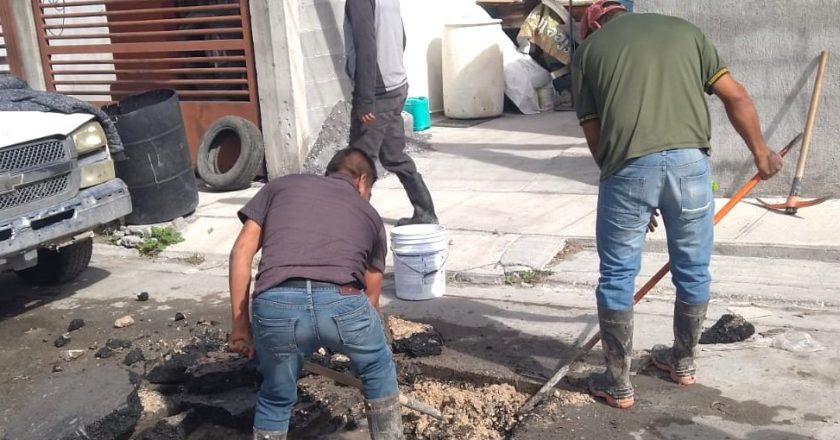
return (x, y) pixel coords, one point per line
(240, 174)
(56, 266)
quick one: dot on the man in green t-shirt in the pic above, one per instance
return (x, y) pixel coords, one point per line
(639, 82)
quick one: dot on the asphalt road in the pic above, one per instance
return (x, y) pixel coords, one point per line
(746, 391)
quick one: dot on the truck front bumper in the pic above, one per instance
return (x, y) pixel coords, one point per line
(92, 207)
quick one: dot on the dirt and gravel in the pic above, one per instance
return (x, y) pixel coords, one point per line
(470, 412)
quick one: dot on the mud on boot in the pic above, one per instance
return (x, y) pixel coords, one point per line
(603, 386)
(617, 342)
(682, 371)
(421, 199)
(384, 418)
(678, 361)
(269, 435)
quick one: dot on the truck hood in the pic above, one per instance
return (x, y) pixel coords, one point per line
(20, 127)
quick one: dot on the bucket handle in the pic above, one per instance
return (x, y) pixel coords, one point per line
(420, 272)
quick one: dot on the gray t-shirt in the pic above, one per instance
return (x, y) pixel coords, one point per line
(317, 228)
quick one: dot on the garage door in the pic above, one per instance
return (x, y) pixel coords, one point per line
(104, 50)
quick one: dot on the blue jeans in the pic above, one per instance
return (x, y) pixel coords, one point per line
(289, 324)
(678, 183)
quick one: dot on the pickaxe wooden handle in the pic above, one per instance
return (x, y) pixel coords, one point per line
(793, 203)
(350, 381)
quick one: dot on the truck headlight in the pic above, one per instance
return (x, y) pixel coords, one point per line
(89, 137)
(97, 172)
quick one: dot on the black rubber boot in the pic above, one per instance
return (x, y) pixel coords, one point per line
(384, 419)
(678, 360)
(617, 342)
(421, 199)
(269, 435)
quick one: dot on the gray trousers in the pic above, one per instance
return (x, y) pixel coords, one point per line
(385, 137)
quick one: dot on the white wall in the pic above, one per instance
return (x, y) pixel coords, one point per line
(423, 21)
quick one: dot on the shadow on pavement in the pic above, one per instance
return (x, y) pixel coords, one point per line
(19, 297)
(579, 168)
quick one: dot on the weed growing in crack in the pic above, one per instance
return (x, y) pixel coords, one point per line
(158, 240)
(530, 277)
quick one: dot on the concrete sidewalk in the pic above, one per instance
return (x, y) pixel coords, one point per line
(514, 190)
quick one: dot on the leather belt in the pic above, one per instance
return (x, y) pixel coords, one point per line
(299, 283)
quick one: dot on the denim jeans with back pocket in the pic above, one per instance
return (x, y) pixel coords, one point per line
(289, 324)
(678, 183)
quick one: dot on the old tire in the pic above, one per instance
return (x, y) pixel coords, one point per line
(220, 165)
(56, 266)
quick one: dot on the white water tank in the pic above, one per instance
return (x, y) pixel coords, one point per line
(473, 71)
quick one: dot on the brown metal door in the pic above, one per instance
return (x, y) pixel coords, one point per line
(105, 50)
(10, 62)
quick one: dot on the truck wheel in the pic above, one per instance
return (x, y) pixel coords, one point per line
(60, 265)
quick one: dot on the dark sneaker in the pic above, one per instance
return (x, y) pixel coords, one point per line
(682, 371)
(614, 395)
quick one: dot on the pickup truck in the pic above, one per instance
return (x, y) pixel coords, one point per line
(57, 184)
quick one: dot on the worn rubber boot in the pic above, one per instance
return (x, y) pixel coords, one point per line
(384, 419)
(421, 199)
(269, 435)
(678, 360)
(617, 342)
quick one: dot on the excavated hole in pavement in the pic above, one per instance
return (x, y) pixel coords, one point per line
(200, 392)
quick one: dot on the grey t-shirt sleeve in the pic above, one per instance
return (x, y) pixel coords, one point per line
(379, 251)
(257, 208)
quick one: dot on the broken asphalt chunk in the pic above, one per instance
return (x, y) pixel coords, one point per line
(234, 408)
(173, 370)
(414, 338)
(75, 325)
(118, 344)
(63, 407)
(133, 357)
(143, 296)
(104, 353)
(730, 328)
(220, 372)
(61, 341)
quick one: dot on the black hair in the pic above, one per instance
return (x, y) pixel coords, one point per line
(354, 163)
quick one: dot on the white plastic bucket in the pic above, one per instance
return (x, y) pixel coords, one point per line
(420, 253)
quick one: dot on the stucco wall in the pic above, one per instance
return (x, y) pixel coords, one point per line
(772, 47)
(322, 44)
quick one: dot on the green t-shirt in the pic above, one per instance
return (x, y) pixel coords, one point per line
(643, 76)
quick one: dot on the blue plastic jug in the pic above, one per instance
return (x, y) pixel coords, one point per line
(418, 107)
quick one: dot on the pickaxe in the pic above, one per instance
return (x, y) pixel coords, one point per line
(793, 203)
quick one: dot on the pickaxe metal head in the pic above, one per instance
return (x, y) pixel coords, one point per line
(793, 204)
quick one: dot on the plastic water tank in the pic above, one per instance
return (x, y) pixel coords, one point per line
(157, 168)
(473, 71)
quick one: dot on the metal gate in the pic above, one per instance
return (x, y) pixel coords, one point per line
(9, 53)
(105, 50)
